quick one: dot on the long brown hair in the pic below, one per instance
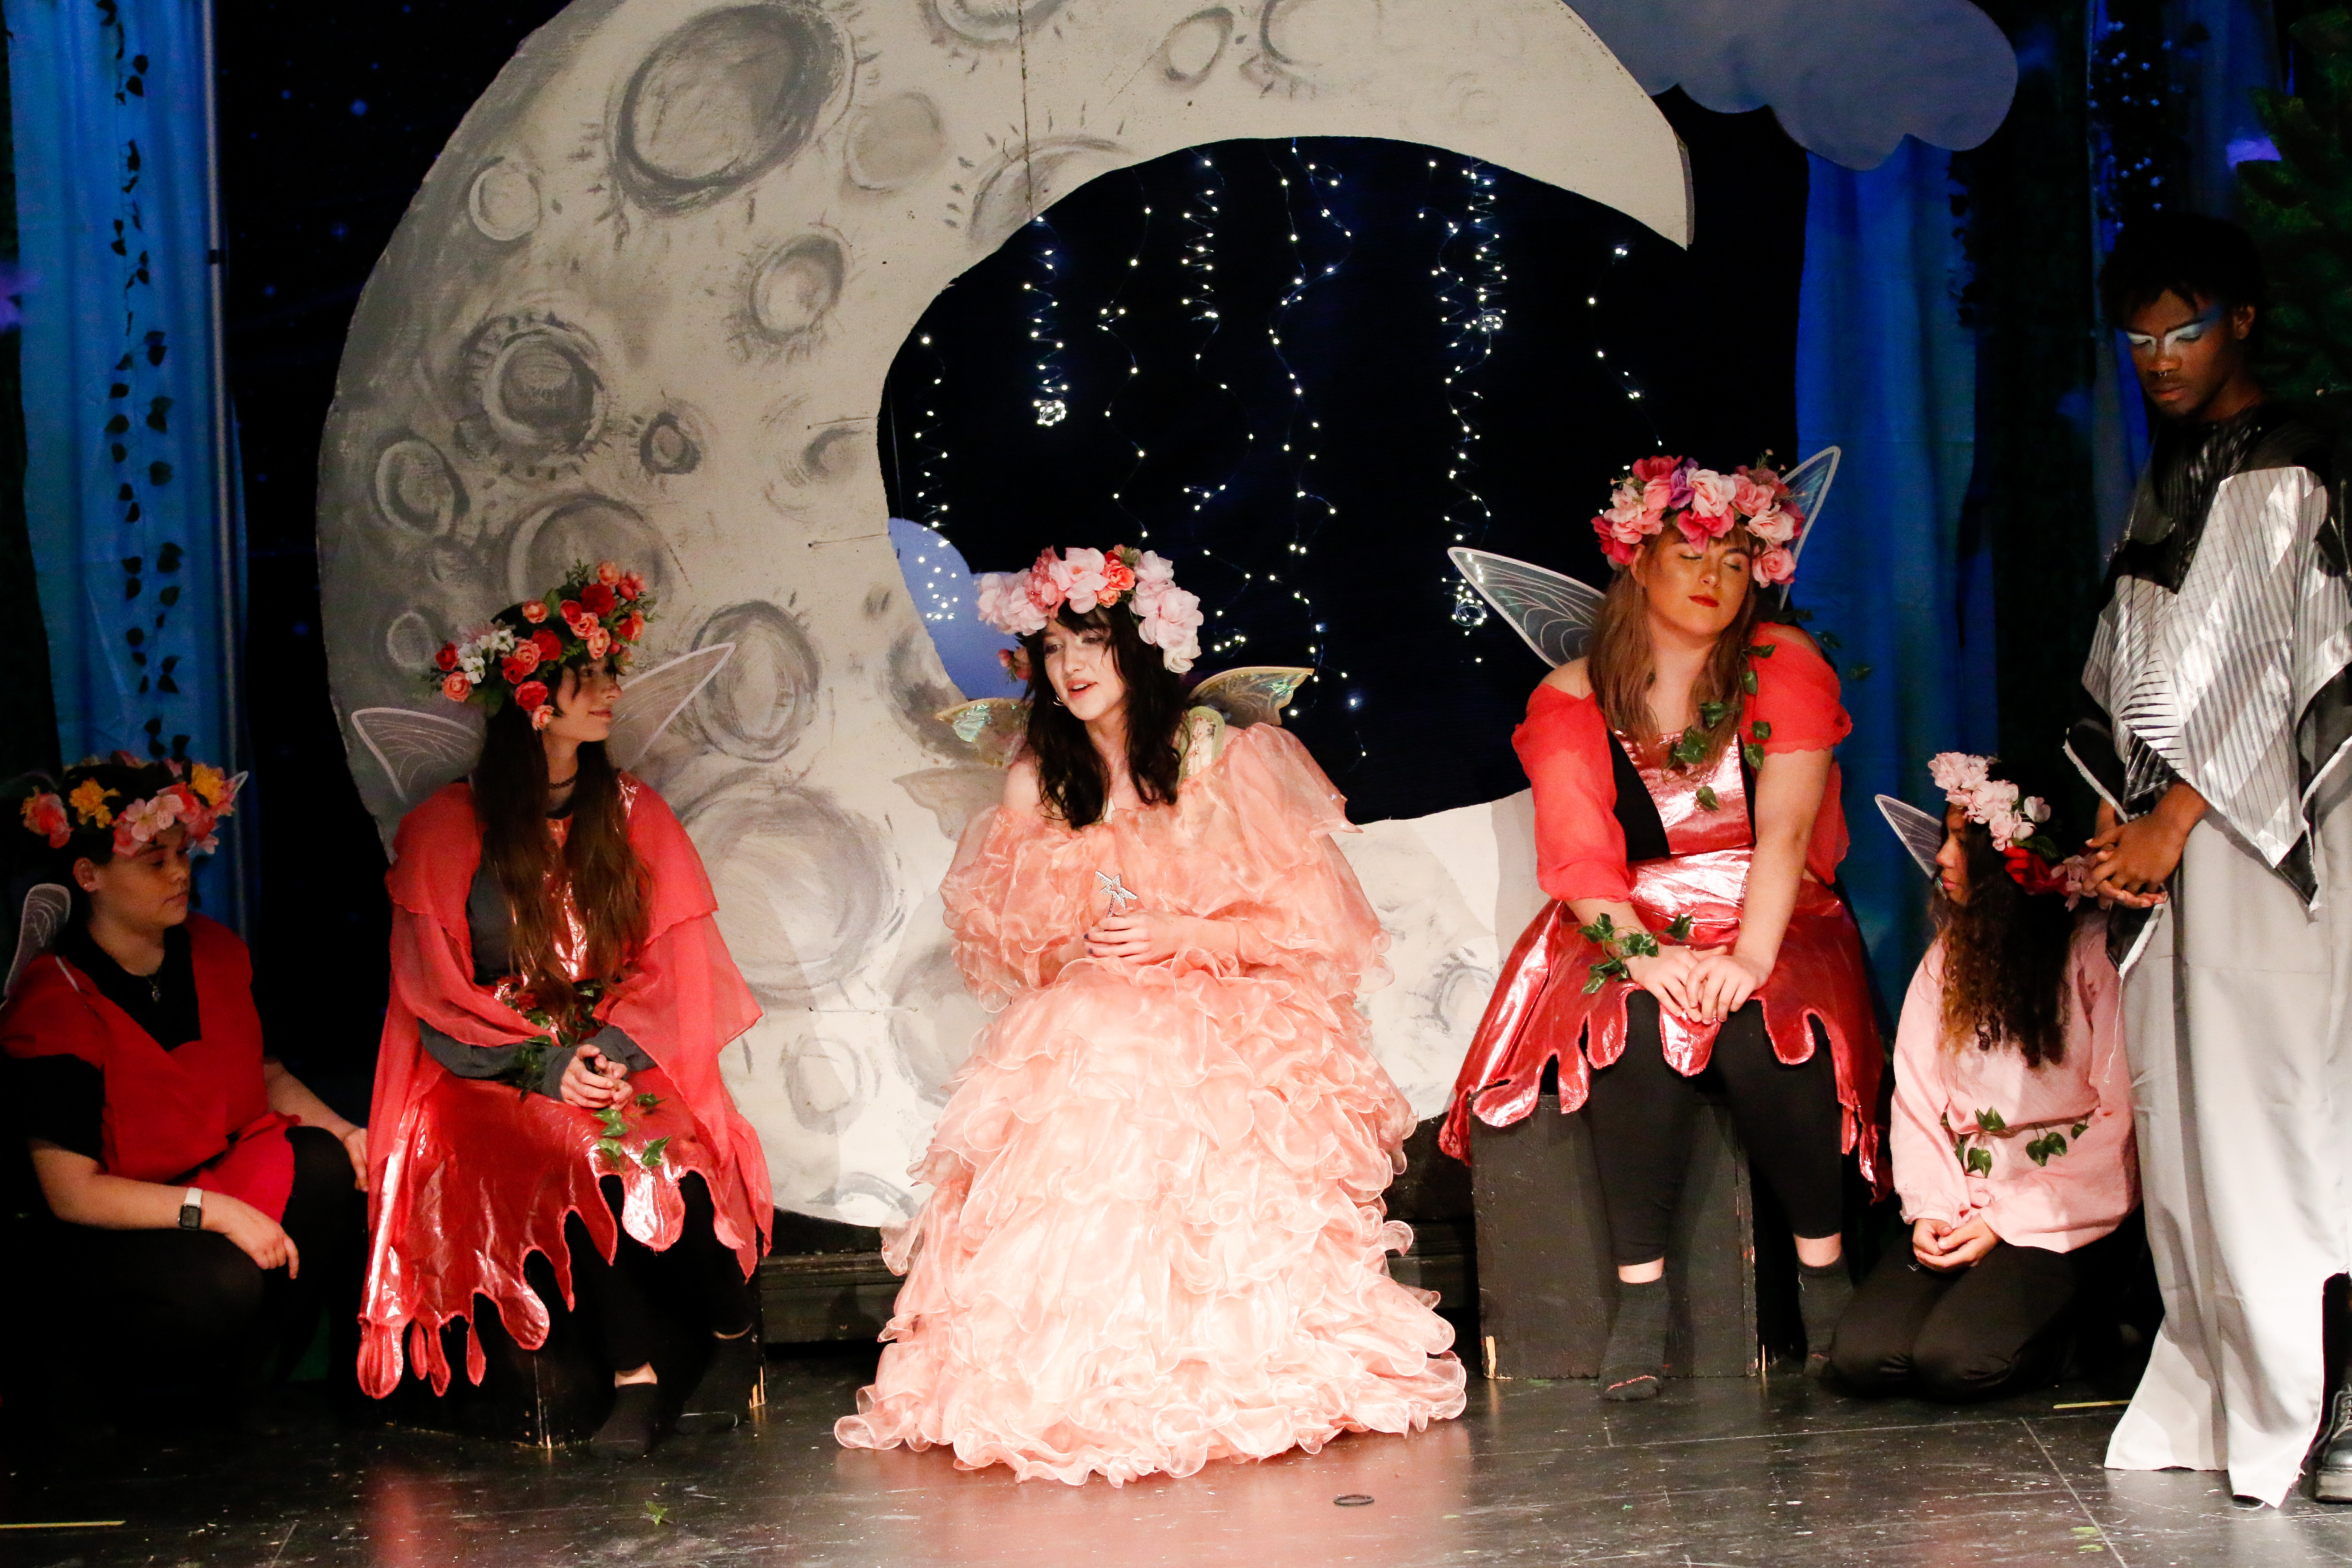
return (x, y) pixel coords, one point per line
(2005, 957)
(1070, 773)
(611, 890)
(1620, 666)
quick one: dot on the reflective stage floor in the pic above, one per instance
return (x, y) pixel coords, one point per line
(1716, 1473)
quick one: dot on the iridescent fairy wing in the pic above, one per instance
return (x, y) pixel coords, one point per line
(1808, 488)
(1922, 832)
(993, 727)
(1551, 611)
(649, 702)
(419, 752)
(1253, 694)
(47, 905)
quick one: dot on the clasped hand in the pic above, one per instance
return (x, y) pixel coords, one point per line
(593, 1080)
(2131, 861)
(1147, 936)
(1947, 1248)
(1705, 985)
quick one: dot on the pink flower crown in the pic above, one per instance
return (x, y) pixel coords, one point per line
(196, 796)
(1019, 604)
(1704, 505)
(597, 612)
(2015, 819)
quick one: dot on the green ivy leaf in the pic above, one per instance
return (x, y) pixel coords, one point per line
(1858, 671)
(647, 1101)
(1708, 799)
(1596, 979)
(1990, 1121)
(2081, 1128)
(611, 1148)
(1763, 650)
(1638, 945)
(1979, 1161)
(1710, 714)
(1748, 682)
(1679, 928)
(651, 1157)
(1762, 729)
(1751, 753)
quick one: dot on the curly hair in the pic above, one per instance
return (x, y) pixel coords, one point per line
(1070, 774)
(2005, 955)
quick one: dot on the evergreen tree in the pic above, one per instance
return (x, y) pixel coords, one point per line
(2299, 210)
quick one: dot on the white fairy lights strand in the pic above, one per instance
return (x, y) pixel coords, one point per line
(1052, 402)
(1470, 305)
(931, 453)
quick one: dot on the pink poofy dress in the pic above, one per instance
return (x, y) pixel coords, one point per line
(1156, 1234)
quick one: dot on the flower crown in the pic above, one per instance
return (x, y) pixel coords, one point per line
(597, 612)
(2015, 819)
(1019, 604)
(1704, 505)
(178, 793)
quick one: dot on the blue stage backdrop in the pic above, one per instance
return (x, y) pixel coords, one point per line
(132, 527)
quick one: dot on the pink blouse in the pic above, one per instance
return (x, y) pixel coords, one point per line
(2045, 1154)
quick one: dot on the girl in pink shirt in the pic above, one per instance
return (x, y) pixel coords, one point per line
(2011, 1130)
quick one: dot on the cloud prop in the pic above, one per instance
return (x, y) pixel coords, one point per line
(1847, 79)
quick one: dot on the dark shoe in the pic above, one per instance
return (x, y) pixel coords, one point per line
(2331, 1473)
(1633, 1367)
(629, 1432)
(1822, 1296)
(723, 1397)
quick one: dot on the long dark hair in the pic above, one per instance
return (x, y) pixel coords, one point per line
(2005, 955)
(611, 890)
(1070, 772)
(1621, 667)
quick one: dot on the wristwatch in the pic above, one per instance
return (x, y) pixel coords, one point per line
(192, 1209)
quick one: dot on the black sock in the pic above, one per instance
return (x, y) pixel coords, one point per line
(1636, 1361)
(629, 1432)
(1823, 1294)
(722, 1395)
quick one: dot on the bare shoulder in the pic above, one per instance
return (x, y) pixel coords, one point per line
(1021, 786)
(1779, 632)
(1574, 678)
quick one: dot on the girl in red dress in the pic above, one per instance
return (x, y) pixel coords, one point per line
(551, 1055)
(1687, 828)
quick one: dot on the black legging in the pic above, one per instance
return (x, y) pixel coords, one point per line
(629, 1295)
(1644, 1115)
(191, 1302)
(1998, 1326)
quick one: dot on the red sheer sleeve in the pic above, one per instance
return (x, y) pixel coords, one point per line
(1566, 751)
(1797, 696)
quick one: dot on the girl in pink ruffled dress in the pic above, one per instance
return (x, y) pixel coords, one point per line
(1156, 1236)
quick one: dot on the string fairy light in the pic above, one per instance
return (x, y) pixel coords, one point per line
(1471, 285)
(925, 501)
(1052, 402)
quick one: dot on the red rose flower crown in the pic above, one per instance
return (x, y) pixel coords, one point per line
(597, 612)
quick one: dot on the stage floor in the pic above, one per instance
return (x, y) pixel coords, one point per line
(1714, 1473)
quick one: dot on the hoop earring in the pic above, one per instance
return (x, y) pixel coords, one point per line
(1058, 702)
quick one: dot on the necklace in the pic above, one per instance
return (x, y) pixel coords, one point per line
(154, 987)
(564, 784)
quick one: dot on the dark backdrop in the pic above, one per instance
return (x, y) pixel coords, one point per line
(1388, 369)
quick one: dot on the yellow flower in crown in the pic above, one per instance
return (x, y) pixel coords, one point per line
(89, 798)
(210, 783)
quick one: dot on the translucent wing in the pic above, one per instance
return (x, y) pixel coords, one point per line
(649, 702)
(44, 915)
(1551, 611)
(1253, 694)
(994, 727)
(420, 751)
(1922, 832)
(1808, 488)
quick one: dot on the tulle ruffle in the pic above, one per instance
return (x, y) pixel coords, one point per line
(1155, 1237)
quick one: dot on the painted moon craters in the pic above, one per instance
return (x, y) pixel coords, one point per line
(724, 99)
(833, 453)
(1194, 45)
(794, 286)
(584, 528)
(1025, 182)
(534, 391)
(504, 202)
(986, 23)
(898, 141)
(416, 486)
(757, 704)
(828, 1083)
(806, 888)
(666, 446)
(409, 641)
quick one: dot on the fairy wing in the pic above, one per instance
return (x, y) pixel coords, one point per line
(1551, 611)
(1808, 488)
(1253, 694)
(1922, 832)
(649, 702)
(419, 752)
(47, 905)
(994, 727)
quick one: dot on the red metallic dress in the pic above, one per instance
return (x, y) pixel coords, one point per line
(1585, 778)
(472, 1175)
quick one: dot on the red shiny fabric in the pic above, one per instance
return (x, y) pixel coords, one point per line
(197, 1116)
(470, 1177)
(1540, 1012)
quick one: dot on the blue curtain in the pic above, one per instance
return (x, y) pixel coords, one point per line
(135, 542)
(1887, 371)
